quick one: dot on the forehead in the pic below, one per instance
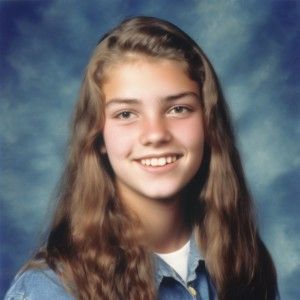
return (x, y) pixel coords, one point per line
(147, 78)
(130, 58)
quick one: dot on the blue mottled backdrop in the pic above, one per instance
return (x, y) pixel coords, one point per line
(45, 45)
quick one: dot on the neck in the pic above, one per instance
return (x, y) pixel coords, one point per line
(163, 221)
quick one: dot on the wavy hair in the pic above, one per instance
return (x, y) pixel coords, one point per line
(95, 245)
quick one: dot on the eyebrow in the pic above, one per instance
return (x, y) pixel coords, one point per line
(169, 98)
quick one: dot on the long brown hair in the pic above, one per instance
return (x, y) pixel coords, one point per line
(95, 245)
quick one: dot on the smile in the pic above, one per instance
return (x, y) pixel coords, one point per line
(159, 161)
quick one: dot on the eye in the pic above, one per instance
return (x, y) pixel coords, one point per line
(179, 110)
(125, 115)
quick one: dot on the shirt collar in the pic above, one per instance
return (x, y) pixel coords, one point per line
(162, 269)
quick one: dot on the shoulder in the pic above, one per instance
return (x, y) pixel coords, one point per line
(35, 284)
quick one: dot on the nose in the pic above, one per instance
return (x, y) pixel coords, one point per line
(155, 132)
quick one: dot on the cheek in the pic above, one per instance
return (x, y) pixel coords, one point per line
(190, 133)
(117, 142)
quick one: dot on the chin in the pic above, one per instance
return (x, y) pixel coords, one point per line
(162, 195)
(162, 189)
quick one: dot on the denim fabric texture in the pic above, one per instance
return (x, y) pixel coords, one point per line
(198, 285)
(36, 284)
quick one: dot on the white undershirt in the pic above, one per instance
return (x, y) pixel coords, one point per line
(178, 260)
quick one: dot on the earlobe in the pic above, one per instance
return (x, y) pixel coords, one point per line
(103, 149)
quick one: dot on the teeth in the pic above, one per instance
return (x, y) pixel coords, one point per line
(162, 161)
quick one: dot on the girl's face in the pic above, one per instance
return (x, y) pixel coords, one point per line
(153, 132)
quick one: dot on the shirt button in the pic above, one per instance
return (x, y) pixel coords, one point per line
(192, 291)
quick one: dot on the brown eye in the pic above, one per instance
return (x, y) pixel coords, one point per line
(179, 109)
(125, 115)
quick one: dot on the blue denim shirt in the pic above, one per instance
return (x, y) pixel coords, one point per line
(36, 284)
(171, 286)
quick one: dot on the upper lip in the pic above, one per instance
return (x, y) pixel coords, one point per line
(149, 156)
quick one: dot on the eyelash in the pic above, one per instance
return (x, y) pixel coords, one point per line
(126, 114)
(121, 114)
(184, 109)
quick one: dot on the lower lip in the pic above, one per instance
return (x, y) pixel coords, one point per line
(158, 169)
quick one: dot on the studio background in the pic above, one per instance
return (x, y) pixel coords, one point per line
(45, 45)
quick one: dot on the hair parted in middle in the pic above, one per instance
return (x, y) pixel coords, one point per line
(94, 243)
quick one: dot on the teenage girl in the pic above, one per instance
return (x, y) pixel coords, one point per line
(153, 203)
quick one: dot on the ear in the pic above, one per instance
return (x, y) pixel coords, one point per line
(103, 149)
(100, 143)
